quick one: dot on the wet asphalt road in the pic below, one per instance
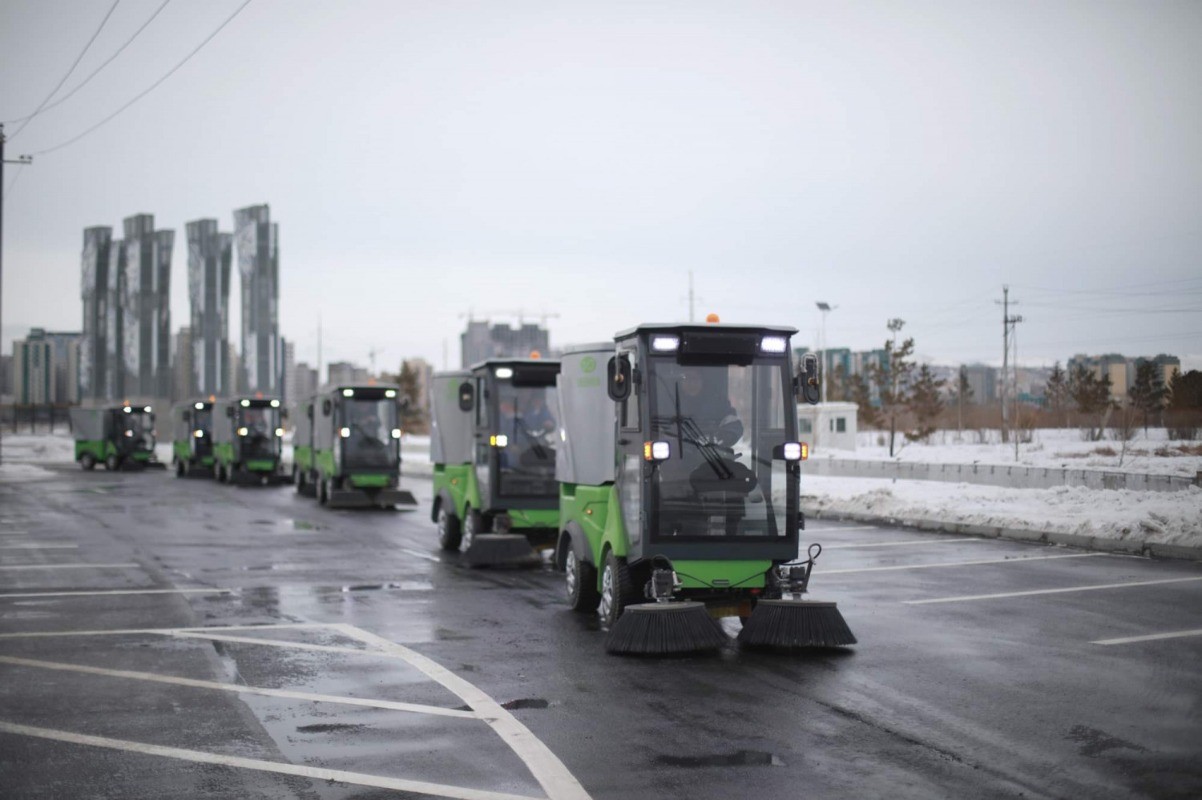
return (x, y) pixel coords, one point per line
(988, 697)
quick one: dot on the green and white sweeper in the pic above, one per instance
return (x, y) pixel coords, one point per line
(248, 437)
(350, 448)
(192, 434)
(120, 437)
(493, 443)
(679, 489)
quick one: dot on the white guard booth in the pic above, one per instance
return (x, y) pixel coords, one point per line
(827, 426)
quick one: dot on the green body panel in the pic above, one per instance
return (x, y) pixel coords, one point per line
(323, 462)
(534, 518)
(223, 453)
(740, 574)
(182, 450)
(460, 481)
(377, 481)
(261, 465)
(596, 511)
(302, 457)
(99, 449)
(141, 455)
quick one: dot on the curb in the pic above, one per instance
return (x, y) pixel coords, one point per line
(1130, 547)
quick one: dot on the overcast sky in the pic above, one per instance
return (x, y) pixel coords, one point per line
(427, 159)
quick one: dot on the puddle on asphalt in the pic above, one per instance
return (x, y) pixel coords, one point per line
(525, 702)
(741, 758)
(287, 525)
(329, 727)
(408, 586)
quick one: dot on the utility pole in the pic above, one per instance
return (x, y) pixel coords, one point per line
(1009, 411)
(21, 160)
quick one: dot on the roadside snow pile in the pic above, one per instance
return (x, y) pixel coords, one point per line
(38, 448)
(1059, 448)
(20, 473)
(1161, 517)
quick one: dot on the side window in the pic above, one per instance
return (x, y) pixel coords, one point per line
(840, 425)
(481, 415)
(805, 425)
(630, 406)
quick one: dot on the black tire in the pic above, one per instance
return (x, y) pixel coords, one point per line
(112, 463)
(87, 461)
(580, 579)
(449, 530)
(473, 524)
(181, 468)
(619, 592)
(298, 477)
(323, 492)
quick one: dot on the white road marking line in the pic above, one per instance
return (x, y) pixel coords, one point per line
(826, 572)
(316, 773)
(34, 546)
(1152, 637)
(102, 592)
(161, 631)
(69, 566)
(389, 705)
(544, 765)
(901, 544)
(420, 554)
(810, 529)
(1033, 592)
(317, 648)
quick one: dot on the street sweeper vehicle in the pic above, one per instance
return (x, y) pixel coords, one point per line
(192, 434)
(248, 440)
(120, 437)
(493, 444)
(679, 489)
(355, 460)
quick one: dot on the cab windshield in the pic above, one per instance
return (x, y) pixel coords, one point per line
(526, 464)
(137, 428)
(202, 420)
(369, 425)
(723, 424)
(260, 424)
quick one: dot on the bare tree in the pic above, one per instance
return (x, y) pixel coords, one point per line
(892, 379)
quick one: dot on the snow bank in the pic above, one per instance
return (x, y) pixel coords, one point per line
(20, 473)
(1155, 517)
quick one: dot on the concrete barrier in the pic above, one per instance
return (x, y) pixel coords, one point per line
(1010, 476)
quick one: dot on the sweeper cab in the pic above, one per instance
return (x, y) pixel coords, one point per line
(347, 447)
(679, 488)
(192, 437)
(493, 443)
(248, 438)
(119, 437)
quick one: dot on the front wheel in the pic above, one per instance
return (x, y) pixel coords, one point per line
(112, 463)
(87, 461)
(580, 578)
(617, 589)
(181, 468)
(449, 533)
(472, 523)
(323, 492)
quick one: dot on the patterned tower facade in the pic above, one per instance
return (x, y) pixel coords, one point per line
(94, 291)
(146, 311)
(209, 259)
(257, 240)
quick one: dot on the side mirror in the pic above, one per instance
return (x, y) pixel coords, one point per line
(326, 405)
(187, 415)
(807, 381)
(283, 413)
(467, 396)
(229, 411)
(618, 374)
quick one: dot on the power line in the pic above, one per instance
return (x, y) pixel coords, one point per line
(74, 64)
(96, 71)
(151, 88)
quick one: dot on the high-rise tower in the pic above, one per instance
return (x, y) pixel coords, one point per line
(257, 241)
(209, 258)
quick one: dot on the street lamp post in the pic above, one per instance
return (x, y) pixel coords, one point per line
(824, 308)
(21, 160)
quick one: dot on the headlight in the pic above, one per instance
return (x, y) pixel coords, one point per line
(348, 392)
(663, 344)
(657, 451)
(279, 432)
(396, 433)
(129, 433)
(795, 451)
(199, 434)
(773, 344)
(246, 404)
(345, 433)
(503, 373)
(199, 406)
(242, 431)
(146, 409)
(275, 403)
(390, 393)
(499, 440)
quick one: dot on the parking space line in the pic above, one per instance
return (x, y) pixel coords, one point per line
(318, 648)
(1033, 592)
(826, 547)
(544, 765)
(316, 773)
(826, 572)
(839, 530)
(1152, 637)
(69, 566)
(160, 631)
(102, 592)
(37, 546)
(387, 705)
(420, 554)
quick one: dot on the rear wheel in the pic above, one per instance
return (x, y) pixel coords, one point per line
(472, 523)
(87, 461)
(580, 577)
(181, 468)
(298, 478)
(449, 533)
(323, 492)
(617, 589)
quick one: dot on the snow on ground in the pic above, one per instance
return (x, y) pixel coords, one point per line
(1162, 517)
(1152, 453)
